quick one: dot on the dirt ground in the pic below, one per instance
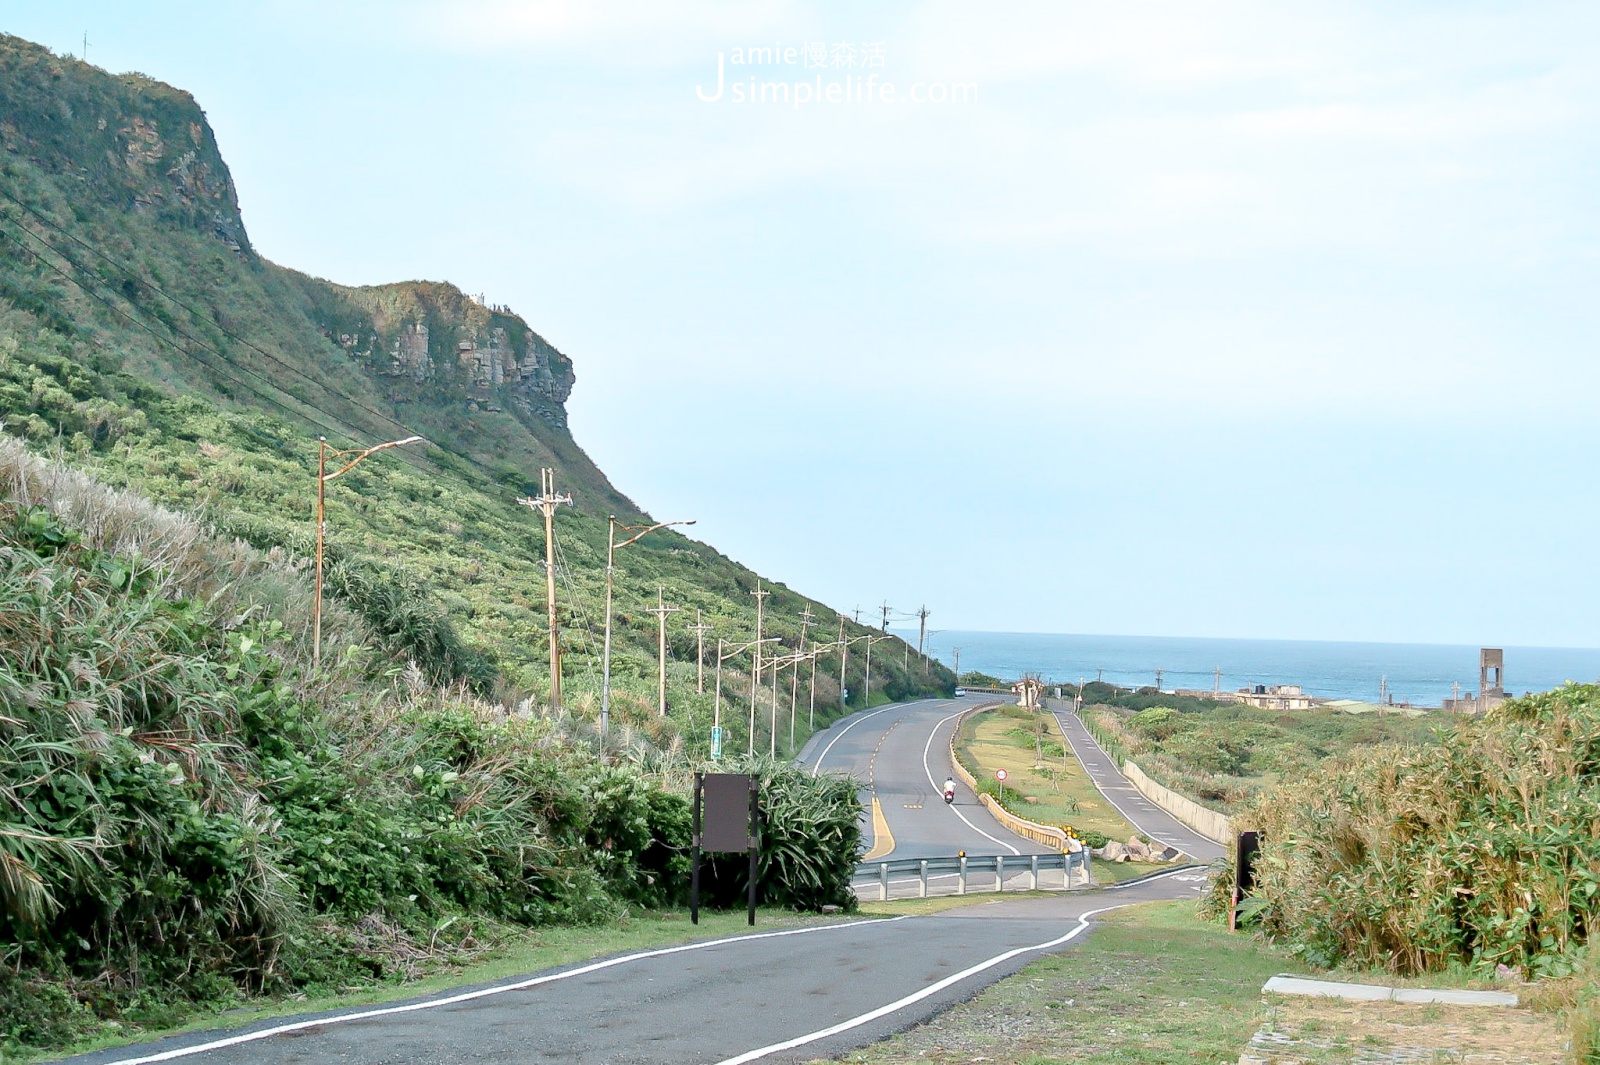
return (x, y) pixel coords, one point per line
(1323, 1031)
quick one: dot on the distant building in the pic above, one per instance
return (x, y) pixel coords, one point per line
(1274, 697)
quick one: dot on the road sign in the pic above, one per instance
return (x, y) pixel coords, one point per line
(1000, 774)
(716, 743)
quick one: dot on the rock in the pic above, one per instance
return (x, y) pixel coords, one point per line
(1137, 851)
(1171, 854)
(829, 910)
(1114, 852)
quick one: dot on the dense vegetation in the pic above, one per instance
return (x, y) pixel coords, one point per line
(188, 814)
(1223, 754)
(1479, 851)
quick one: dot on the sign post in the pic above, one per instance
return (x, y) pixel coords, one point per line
(727, 811)
(1000, 775)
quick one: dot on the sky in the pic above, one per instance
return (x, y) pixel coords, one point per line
(1181, 318)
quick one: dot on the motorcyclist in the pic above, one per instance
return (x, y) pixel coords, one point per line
(950, 789)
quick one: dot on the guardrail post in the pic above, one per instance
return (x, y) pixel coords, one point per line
(924, 871)
(1033, 873)
(883, 881)
(999, 872)
(961, 877)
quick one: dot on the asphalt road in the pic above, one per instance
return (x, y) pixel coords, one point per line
(788, 996)
(901, 755)
(780, 997)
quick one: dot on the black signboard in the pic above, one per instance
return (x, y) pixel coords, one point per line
(727, 812)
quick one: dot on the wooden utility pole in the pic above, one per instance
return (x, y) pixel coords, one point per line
(922, 629)
(755, 663)
(806, 618)
(957, 652)
(886, 608)
(546, 504)
(1158, 680)
(661, 611)
(844, 656)
(1216, 683)
(699, 628)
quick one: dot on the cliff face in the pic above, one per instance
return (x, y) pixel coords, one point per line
(121, 218)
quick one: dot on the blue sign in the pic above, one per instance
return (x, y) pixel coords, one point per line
(716, 742)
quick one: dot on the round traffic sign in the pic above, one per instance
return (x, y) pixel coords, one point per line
(999, 774)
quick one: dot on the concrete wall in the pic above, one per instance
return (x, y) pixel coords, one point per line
(1210, 824)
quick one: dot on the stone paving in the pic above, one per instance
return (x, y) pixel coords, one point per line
(1330, 1032)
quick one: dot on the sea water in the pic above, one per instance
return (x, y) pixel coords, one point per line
(1420, 674)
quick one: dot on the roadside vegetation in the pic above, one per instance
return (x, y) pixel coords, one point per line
(1045, 784)
(192, 819)
(1474, 854)
(1224, 754)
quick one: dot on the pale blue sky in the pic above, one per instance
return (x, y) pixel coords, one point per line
(1212, 319)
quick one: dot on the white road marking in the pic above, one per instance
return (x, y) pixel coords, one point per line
(815, 769)
(486, 992)
(1106, 791)
(935, 785)
(917, 996)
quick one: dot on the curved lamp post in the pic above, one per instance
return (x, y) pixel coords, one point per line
(611, 551)
(356, 456)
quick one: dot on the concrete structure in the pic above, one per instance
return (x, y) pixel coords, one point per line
(1275, 697)
(1491, 684)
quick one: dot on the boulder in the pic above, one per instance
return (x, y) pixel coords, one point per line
(1171, 854)
(1114, 852)
(1137, 851)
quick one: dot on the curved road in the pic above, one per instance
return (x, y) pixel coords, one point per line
(901, 756)
(789, 996)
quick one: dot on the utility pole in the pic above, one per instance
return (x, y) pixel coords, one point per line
(1216, 683)
(844, 656)
(85, 46)
(886, 608)
(1097, 675)
(811, 714)
(661, 611)
(755, 662)
(546, 503)
(957, 652)
(1158, 680)
(922, 630)
(1077, 702)
(699, 628)
(867, 701)
(806, 618)
(858, 615)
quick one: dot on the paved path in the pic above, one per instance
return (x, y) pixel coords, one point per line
(778, 997)
(1146, 816)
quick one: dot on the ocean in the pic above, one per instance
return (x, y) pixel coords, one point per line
(1420, 674)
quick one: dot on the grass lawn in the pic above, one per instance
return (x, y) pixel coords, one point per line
(1054, 788)
(1151, 985)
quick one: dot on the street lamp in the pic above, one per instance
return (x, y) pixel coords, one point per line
(611, 551)
(357, 456)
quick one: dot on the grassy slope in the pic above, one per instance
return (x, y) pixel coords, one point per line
(211, 399)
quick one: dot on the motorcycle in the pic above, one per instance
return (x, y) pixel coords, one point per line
(949, 794)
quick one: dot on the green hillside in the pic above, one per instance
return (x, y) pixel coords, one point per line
(143, 339)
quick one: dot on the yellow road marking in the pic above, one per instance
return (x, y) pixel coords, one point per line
(882, 838)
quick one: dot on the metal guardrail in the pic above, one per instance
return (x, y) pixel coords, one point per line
(970, 873)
